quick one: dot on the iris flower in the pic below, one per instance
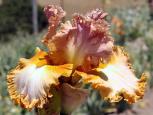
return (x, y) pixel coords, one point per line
(80, 51)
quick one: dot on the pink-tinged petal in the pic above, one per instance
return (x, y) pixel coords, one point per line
(91, 38)
(58, 45)
(97, 14)
(54, 15)
(85, 37)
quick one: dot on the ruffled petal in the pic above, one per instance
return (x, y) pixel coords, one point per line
(91, 38)
(116, 80)
(97, 15)
(58, 45)
(29, 83)
(54, 15)
(86, 36)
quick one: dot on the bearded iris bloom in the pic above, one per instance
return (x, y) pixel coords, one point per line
(80, 51)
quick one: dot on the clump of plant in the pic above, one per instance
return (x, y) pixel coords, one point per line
(15, 16)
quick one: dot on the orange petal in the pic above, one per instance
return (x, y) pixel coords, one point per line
(116, 80)
(39, 59)
(29, 84)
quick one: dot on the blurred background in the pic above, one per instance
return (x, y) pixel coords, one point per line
(23, 24)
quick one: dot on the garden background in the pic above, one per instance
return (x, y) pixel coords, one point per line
(131, 26)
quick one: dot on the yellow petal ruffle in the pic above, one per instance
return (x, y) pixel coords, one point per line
(116, 80)
(29, 84)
